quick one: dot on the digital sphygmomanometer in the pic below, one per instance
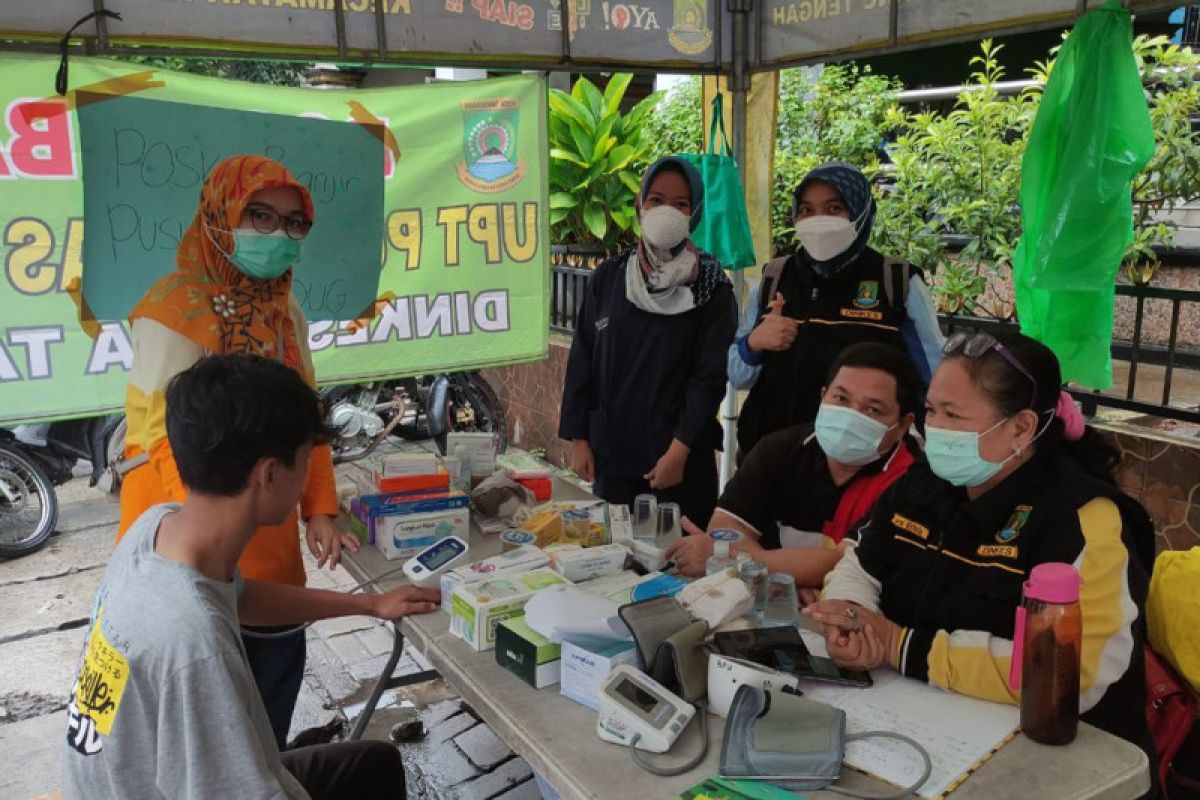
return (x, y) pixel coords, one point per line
(426, 568)
(637, 711)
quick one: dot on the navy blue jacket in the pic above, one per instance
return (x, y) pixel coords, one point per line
(635, 380)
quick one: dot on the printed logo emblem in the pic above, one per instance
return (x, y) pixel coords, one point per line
(690, 34)
(868, 294)
(96, 698)
(490, 161)
(601, 323)
(1016, 522)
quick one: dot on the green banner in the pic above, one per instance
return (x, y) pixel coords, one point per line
(465, 228)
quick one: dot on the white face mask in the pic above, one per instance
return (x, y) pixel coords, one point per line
(665, 227)
(826, 237)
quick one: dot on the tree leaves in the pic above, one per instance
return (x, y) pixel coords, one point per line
(596, 156)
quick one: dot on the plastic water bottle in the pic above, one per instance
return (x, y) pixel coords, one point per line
(754, 575)
(1046, 654)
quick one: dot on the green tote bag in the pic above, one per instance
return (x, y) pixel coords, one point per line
(724, 229)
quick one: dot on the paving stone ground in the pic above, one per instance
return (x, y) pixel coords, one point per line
(47, 598)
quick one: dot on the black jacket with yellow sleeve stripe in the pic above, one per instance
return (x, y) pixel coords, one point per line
(950, 571)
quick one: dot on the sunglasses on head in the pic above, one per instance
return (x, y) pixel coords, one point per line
(974, 345)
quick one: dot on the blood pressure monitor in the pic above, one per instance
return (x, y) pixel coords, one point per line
(727, 673)
(426, 568)
(635, 710)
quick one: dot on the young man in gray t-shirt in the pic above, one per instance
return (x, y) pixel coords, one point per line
(164, 704)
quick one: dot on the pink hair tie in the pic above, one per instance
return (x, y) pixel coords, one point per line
(1072, 420)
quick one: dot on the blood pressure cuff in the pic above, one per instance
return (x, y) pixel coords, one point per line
(795, 742)
(671, 647)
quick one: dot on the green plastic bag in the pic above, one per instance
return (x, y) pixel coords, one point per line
(724, 229)
(1091, 138)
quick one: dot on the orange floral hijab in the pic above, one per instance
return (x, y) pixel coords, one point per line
(206, 298)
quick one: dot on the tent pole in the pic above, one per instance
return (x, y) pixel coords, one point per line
(739, 84)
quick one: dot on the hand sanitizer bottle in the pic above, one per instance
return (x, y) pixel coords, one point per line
(720, 560)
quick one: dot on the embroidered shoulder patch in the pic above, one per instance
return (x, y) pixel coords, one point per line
(1016, 522)
(906, 524)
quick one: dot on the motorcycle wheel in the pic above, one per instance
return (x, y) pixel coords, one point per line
(28, 505)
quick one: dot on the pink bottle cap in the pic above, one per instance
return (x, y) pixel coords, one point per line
(1054, 583)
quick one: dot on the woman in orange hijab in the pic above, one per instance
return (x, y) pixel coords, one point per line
(231, 293)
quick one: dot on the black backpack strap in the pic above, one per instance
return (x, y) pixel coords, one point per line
(896, 275)
(770, 281)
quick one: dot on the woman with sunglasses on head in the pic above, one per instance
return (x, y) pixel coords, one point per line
(1014, 479)
(231, 292)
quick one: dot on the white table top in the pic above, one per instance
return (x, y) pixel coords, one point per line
(557, 736)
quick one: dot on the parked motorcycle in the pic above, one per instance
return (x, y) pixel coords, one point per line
(427, 407)
(36, 458)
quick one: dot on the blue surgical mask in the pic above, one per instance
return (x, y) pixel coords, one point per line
(264, 256)
(954, 456)
(848, 436)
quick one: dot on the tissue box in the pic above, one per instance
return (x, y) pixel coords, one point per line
(479, 608)
(405, 536)
(527, 654)
(584, 671)
(510, 562)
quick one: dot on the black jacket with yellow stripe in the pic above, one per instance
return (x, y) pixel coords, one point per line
(950, 571)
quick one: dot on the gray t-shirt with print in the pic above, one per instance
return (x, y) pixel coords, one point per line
(164, 704)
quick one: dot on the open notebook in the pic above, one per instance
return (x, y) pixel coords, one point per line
(959, 732)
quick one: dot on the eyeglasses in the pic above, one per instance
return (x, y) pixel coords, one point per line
(267, 220)
(974, 345)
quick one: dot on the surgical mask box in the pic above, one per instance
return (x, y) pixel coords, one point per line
(405, 536)
(367, 511)
(477, 609)
(527, 654)
(584, 671)
(512, 562)
(619, 522)
(593, 562)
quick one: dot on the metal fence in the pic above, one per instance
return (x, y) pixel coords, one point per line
(569, 284)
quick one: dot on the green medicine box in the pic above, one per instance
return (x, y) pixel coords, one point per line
(527, 654)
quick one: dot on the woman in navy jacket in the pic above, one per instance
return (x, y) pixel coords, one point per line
(646, 373)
